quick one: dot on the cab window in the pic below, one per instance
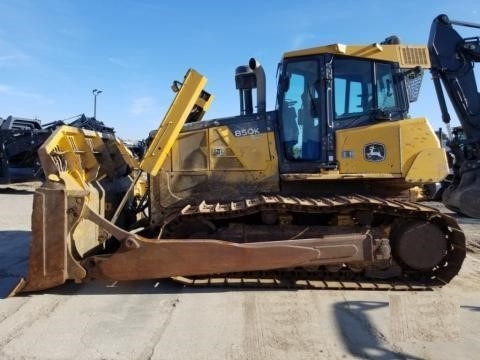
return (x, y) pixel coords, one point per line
(352, 88)
(364, 91)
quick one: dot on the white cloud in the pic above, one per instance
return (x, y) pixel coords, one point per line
(13, 57)
(4, 89)
(11, 91)
(119, 62)
(141, 105)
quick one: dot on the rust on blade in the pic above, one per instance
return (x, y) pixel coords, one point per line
(50, 261)
(141, 258)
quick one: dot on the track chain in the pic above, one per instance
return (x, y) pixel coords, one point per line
(330, 204)
(321, 279)
(328, 282)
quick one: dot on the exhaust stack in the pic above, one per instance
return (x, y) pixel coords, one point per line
(248, 78)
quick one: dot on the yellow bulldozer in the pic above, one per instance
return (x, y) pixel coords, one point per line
(318, 190)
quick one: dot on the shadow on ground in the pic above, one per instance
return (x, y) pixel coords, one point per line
(359, 334)
(144, 287)
(13, 259)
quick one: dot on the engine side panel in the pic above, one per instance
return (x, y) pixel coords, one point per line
(391, 148)
(217, 162)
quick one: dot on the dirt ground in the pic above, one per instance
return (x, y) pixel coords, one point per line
(163, 320)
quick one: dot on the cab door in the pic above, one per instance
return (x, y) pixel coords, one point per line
(301, 115)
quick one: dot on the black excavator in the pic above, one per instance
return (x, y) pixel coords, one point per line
(453, 60)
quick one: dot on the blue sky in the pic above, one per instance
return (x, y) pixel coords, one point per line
(54, 52)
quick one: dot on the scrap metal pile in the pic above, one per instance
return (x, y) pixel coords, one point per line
(20, 139)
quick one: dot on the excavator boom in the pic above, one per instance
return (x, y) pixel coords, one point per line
(453, 68)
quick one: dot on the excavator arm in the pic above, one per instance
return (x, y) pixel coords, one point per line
(453, 61)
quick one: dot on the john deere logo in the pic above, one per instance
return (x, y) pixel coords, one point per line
(374, 152)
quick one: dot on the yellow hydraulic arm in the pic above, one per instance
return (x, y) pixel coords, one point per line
(190, 104)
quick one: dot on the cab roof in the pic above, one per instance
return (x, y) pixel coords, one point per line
(407, 56)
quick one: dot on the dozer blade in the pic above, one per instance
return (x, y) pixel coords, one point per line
(82, 167)
(87, 170)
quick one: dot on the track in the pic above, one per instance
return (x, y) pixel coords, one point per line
(326, 282)
(340, 207)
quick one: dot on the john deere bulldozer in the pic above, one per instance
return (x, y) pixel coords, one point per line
(316, 191)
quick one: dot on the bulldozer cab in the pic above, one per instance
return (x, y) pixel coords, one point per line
(319, 94)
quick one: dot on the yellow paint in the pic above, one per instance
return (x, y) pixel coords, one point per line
(70, 150)
(407, 56)
(427, 168)
(411, 147)
(241, 153)
(190, 96)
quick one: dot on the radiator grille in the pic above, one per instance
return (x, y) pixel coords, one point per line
(413, 56)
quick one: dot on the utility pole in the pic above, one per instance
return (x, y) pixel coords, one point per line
(95, 93)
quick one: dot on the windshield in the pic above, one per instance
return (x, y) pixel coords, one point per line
(363, 90)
